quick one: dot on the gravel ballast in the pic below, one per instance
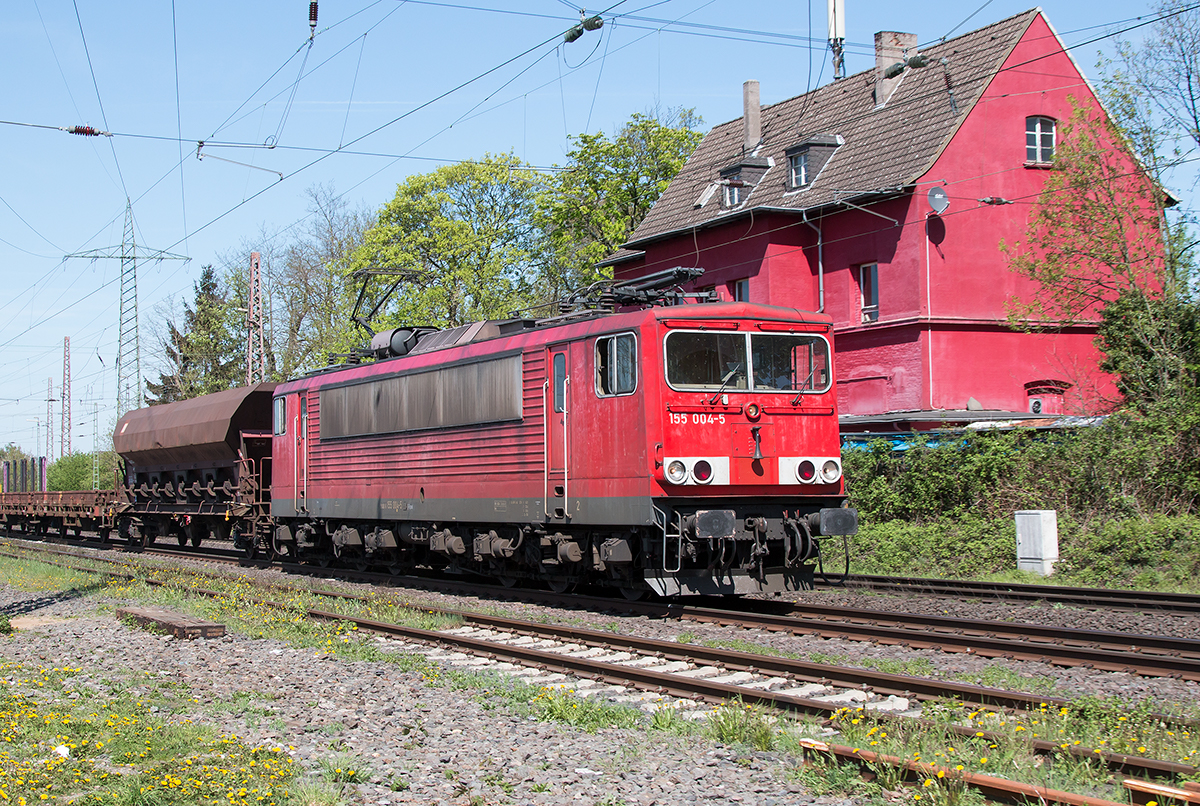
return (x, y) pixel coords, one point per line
(438, 741)
(450, 745)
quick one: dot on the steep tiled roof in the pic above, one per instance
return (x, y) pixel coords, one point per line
(882, 147)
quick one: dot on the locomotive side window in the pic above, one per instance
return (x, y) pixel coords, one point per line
(790, 363)
(616, 365)
(560, 381)
(280, 416)
(706, 361)
(779, 362)
(471, 393)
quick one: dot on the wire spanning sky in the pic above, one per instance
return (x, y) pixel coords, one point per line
(384, 89)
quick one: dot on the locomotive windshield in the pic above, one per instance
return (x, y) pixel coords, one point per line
(779, 362)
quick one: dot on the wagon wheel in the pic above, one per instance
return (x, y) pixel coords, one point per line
(181, 538)
(324, 560)
(361, 564)
(633, 594)
(197, 539)
(508, 582)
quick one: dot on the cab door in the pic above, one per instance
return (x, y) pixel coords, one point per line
(556, 402)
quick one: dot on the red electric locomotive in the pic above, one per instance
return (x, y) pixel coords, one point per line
(679, 449)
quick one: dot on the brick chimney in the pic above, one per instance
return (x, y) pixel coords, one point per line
(891, 47)
(751, 117)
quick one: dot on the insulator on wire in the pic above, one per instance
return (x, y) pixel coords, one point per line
(312, 19)
(86, 131)
(593, 23)
(573, 34)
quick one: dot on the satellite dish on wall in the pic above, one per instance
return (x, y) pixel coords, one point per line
(938, 200)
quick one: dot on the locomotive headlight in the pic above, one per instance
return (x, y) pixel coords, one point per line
(831, 471)
(806, 471)
(703, 472)
(752, 411)
(676, 472)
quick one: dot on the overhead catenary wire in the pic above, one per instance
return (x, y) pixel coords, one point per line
(346, 151)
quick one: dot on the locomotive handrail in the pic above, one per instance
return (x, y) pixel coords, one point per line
(545, 451)
(296, 467)
(661, 517)
(566, 453)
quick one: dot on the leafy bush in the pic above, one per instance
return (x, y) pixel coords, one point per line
(1134, 463)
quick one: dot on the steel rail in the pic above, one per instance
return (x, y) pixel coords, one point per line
(1094, 597)
(1063, 647)
(666, 682)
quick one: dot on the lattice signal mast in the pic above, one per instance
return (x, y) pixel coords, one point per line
(49, 419)
(64, 444)
(129, 357)
(256, 345)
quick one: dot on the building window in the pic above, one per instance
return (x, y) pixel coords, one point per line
(798, 169)
(1039, 139)
(868, 286)
(733, 192)
(741, 290)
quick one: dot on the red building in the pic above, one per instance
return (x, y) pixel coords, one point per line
(882, 199)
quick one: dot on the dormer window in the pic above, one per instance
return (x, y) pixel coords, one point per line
(732, 191)
(738, 180)
(798, 169)
(808, 157)
(1039, 140)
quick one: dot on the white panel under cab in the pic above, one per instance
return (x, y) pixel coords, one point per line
(1037, 540)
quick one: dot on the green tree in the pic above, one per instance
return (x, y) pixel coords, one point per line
(71, 472)
(308, 290)
(1095, 231)
(1101, 247)
(590, 209)
(463, 238)
(203, 356)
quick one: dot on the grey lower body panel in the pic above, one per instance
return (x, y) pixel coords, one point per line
(602, 512)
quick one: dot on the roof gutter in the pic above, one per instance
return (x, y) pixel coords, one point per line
(820, 261)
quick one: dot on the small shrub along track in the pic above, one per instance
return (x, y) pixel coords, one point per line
(741, 676)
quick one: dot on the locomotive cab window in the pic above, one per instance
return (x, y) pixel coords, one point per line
(616, 365)
(779, 362)
(280, 418)
(790, 363)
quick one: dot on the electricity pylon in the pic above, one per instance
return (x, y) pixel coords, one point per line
(129, 355)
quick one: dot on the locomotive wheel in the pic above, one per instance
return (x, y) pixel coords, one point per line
(508, 582)
(559, 585)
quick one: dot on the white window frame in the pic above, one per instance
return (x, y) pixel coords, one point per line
(741, 290)
(798, 169)
(279, 416)
(732, 195)
(609, 343)
(868, 291)
(1036, 127)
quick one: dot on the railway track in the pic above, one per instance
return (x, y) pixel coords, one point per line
(652, 673)
(1119, 598)
(1142, 655)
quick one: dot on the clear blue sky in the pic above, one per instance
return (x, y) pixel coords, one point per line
(379, 80)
